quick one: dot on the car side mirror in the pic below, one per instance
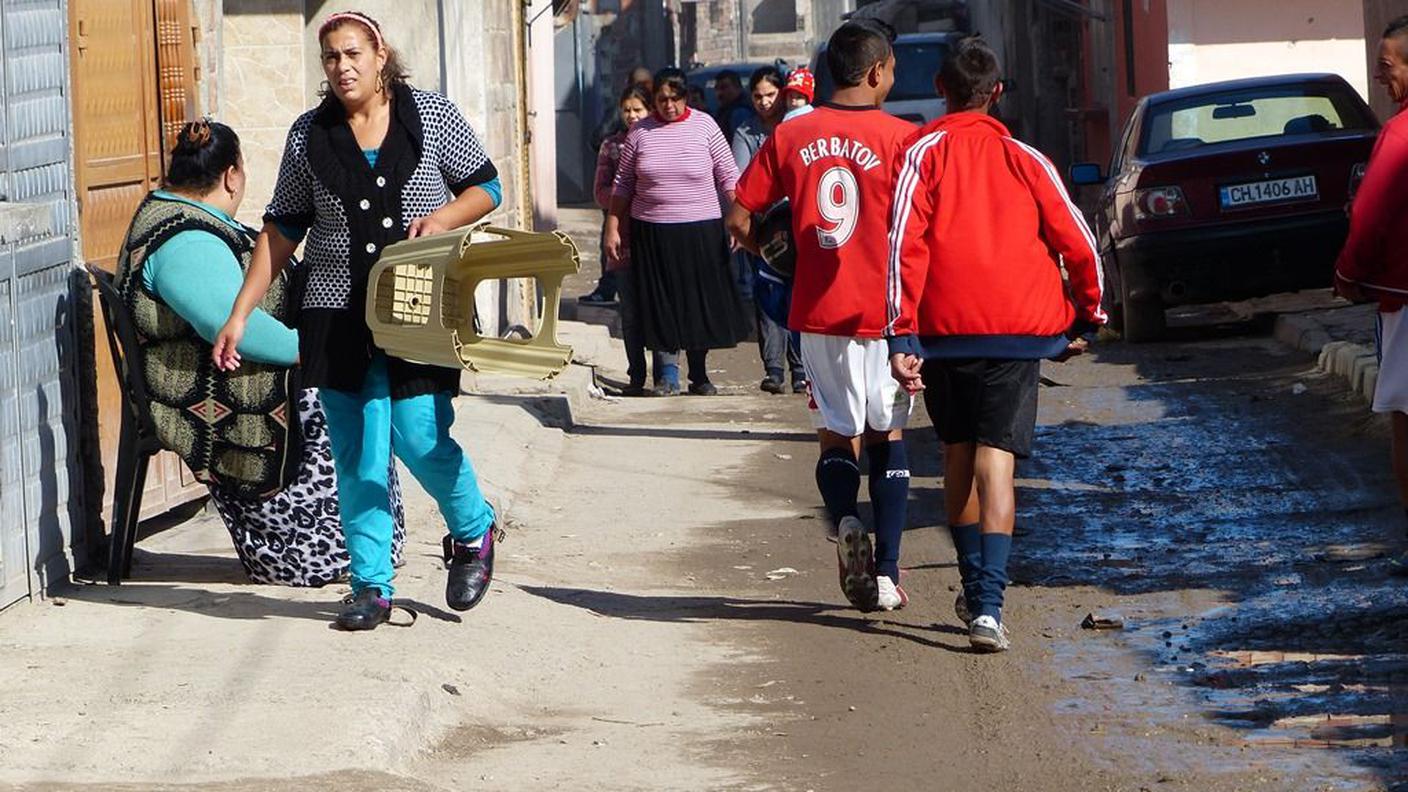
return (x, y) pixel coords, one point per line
(1086, 173)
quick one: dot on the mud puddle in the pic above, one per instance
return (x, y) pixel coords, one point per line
(1237, 515)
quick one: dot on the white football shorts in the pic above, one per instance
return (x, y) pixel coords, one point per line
(849, 386)
(1391, 390)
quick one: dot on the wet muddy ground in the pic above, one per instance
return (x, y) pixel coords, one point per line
(1230, 508)
(1240, 511)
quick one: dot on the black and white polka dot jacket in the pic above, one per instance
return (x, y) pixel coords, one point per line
(352, 210)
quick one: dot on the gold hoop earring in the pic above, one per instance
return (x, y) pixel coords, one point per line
(380, 83)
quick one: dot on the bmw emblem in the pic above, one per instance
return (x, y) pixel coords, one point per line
(1264, 158)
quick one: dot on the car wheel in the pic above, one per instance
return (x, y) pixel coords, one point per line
(1141, 320)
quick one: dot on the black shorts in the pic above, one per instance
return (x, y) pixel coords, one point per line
(986, 401)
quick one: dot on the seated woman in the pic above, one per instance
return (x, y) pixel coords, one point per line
(271, 478)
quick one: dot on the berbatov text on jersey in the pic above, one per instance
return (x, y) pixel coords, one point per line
(853, 150)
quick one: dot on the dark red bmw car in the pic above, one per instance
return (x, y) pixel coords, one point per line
(1228, 191)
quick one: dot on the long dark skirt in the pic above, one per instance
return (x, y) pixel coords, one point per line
(684, 286)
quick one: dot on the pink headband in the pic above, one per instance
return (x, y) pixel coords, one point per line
(352, 16)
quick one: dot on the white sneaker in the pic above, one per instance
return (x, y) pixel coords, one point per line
(960, 609)
(891, 597)
(989, 635)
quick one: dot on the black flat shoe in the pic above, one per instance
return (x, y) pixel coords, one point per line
(471, 571)
(365, 610)
(703, 389)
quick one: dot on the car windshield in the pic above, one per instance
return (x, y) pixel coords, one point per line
(916, 63)
(915, 67)
(1249, 114)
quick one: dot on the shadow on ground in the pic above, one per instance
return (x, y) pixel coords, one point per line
(703, 609)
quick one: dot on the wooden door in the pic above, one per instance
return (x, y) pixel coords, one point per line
(118, 145)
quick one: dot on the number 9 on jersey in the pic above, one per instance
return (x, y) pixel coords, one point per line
(838, 201)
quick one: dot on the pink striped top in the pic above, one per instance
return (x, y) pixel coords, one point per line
(673, 172)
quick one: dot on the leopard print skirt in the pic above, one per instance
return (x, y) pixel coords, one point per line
(295, 538)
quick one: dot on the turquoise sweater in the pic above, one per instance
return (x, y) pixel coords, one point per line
(197, 275)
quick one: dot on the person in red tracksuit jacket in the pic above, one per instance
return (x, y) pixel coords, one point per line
(980, 229)
(1374, 262)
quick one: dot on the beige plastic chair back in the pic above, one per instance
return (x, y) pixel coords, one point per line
(420, 300)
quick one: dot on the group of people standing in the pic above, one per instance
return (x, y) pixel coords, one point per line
(665, 178)
(926, 259)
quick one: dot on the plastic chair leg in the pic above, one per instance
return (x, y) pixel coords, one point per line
(125, 502)
(139, 485)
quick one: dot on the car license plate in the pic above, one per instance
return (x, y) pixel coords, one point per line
(1297, 188)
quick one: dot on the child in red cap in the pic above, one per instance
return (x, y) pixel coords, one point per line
(799, 92)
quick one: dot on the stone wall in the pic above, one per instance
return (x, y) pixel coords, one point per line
(715, 32)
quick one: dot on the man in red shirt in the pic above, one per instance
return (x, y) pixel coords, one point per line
(981, 231)
(1374, 262)
(836, 165)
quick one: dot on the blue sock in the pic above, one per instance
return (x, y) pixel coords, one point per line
(996, 549)
(838, 479)
(968, 541)
(889, 498)
(670, 373)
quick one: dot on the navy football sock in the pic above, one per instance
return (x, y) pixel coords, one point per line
(889, 498)
(838, 479)
(968, 541)
(996, 549)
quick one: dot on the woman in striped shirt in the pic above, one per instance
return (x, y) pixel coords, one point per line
(673, 167)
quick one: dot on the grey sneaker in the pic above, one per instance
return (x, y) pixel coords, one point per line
(987, 634)
(855, 562)
(960, 609)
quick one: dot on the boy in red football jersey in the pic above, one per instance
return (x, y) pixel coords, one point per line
(836, 165)
(982, 227)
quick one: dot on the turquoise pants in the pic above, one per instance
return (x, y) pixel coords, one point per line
(365, 428)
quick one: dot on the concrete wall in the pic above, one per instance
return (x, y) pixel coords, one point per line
(260, 87)
(480, 78)
(1212, 40)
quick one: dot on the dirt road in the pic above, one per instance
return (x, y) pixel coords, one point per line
(667, 615)
(1231, 509)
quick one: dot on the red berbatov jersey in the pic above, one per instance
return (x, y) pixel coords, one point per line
(836, 165)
